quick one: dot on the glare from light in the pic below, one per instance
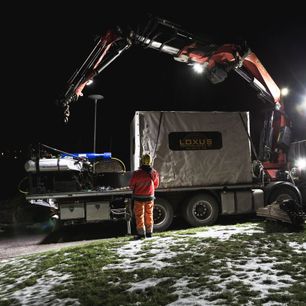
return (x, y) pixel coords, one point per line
(285, 91)
(89, 82)
(198, 68)
(301, 163)
(303, 104)
(301, 108)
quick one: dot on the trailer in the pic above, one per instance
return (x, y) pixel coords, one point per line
(205, 164)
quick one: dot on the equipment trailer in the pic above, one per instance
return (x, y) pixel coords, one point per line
(196, 156)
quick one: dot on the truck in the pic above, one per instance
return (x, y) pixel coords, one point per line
(207, 161)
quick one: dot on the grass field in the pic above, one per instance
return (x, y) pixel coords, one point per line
(254, 263)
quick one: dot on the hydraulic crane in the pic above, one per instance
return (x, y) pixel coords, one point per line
(216, 60)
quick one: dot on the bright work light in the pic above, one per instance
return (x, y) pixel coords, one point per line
(301, 164)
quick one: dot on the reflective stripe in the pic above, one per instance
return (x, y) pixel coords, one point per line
(143, 198)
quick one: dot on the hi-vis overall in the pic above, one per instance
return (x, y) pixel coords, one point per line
(143, 184)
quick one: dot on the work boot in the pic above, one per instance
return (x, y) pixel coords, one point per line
(138, 237)
(149, 235)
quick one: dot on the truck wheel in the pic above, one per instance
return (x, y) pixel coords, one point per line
(302, 188)
(283, 193)
(162, 214)
(202, 209)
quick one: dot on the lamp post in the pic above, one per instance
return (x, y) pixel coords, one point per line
(96, 98)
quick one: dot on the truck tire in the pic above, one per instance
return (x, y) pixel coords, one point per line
(201, 210)
(283, 193)
(162, 214)
(302, 188)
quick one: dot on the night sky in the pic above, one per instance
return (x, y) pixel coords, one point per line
(45, 44)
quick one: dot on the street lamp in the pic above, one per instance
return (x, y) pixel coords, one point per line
(96, 98)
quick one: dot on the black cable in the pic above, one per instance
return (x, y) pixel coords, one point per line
(249, 137)
(158, 132)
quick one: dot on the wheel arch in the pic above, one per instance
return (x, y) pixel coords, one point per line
(275, 186)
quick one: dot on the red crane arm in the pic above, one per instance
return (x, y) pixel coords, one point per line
(217, 60)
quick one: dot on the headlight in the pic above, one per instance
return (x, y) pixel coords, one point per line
(301, 164)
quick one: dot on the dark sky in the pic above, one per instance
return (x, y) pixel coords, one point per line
(44, 44)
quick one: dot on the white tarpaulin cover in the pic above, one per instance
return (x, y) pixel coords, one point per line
(194, 148)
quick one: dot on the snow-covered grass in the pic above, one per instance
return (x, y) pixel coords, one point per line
(242, 264)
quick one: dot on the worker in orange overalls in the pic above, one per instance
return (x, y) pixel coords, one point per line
(143, 182)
